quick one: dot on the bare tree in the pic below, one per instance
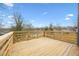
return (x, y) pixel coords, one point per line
(0, 23)
(50, 27)
(46, 28)
(18, 20)
(0, 26)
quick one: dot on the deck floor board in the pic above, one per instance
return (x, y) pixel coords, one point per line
(43, 47)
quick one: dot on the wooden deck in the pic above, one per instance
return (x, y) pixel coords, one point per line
(43, 47)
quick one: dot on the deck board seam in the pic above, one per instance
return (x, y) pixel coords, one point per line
(67, 50)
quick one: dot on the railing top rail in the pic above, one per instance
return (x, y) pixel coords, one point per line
(43, 30)
(4, 37)
(62, 31)
(28, 31)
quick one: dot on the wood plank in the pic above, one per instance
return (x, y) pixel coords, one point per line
(43, 47)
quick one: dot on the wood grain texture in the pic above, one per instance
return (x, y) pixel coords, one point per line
(43, 47)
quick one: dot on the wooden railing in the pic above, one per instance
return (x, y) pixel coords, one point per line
(26, 35)
(5, 43)
(8, 39)
(70, 37)
(59, 35)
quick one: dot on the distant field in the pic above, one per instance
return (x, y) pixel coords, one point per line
(70, 37)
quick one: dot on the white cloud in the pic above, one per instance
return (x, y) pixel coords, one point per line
(67, 18)
(9, 4)
(45, 13)
(9, 22)
(10, 17)
(70, 15)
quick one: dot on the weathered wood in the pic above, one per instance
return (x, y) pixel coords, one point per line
(43, 47)
(6, 42)
(60, 35)
(26, 35)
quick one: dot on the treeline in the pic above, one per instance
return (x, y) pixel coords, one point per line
(60, 28)
(19, 25)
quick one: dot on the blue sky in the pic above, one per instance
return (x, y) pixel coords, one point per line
(40, 15)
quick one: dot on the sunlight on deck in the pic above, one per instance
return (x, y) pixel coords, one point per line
(43, 47)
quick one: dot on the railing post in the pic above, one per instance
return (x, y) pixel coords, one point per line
(61, 35)
(44, 33)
